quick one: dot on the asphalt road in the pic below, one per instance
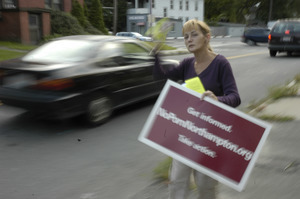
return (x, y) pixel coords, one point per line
(55, 160)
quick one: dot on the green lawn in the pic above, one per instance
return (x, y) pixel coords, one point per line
(17, 46)
(13, 50)
(7, 54)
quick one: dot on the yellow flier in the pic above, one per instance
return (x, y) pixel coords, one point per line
(195, 84)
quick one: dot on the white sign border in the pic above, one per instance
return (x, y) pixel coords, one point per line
(149, 122)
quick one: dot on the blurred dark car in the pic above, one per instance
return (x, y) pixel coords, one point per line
(81, 75)
(285, 37)
(254, 35)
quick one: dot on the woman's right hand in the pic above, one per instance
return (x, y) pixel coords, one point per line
(156, 48)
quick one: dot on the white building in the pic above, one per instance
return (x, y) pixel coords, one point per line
(142, 14)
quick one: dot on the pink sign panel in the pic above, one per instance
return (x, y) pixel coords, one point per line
(206, 135)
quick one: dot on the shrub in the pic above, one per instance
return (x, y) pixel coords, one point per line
(91, 29)
(65, 24)
(96, 17)
(77, 11)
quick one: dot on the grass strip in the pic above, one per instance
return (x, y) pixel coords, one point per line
(7, 54)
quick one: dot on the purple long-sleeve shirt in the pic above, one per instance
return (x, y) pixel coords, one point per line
(217, 77)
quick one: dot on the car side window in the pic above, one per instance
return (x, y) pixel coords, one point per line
(109, 54)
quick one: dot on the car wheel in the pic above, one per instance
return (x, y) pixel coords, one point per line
(289, 53)
(250, 42)
(273, 53)
(99, 110)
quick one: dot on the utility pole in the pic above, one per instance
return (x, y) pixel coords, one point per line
(115, 8)
(270, 10)
(115, 16)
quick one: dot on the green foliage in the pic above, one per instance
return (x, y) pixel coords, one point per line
(95, 16)
(91, 29)
(108, 14)
(65, 24)
(81, 14)
(278, 118)
(16, 45)
(85, 10)
(50, 37)
(162, 169)
(7, 54)
(275, 93)
(282, 91)
(77, 11)
(297, 78)
(244, 11)
(160, 30)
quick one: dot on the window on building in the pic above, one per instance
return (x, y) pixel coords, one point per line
(140, 4)
(34, 28)
(153, 3)
(180, 5)
(8, 4)
(186, 5)
(48, 4)
(54, 4)
(173, 27)
(186, 19)
(196, 5)
(165, 12)
(171, 4)
(57, 5)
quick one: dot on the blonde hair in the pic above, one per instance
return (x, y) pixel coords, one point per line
(194, 24)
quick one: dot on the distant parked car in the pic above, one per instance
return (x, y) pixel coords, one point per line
(81, 75)
(254, 35)
(135, 35)
(270, 24)
(285, 37)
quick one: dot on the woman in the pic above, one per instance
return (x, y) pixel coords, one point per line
(216, 75)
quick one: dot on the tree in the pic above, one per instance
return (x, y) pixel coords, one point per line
(233, 11)
(77, 11)
(64, 24)
(85, 10)
(108, 14)
(95, 15)
(280, 10)
(237, 11)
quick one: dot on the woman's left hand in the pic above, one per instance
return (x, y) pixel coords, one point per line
(209, 94)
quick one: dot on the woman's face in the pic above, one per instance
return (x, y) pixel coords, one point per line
(195, 40)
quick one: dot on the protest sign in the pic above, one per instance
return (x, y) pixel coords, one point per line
(207, 135)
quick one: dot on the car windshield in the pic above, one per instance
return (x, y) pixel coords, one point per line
(62, 51)
(292, 27)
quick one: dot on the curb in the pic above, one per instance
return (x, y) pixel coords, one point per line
(263, 106)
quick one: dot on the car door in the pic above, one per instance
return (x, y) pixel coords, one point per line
(138, 66)
(125, 69)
